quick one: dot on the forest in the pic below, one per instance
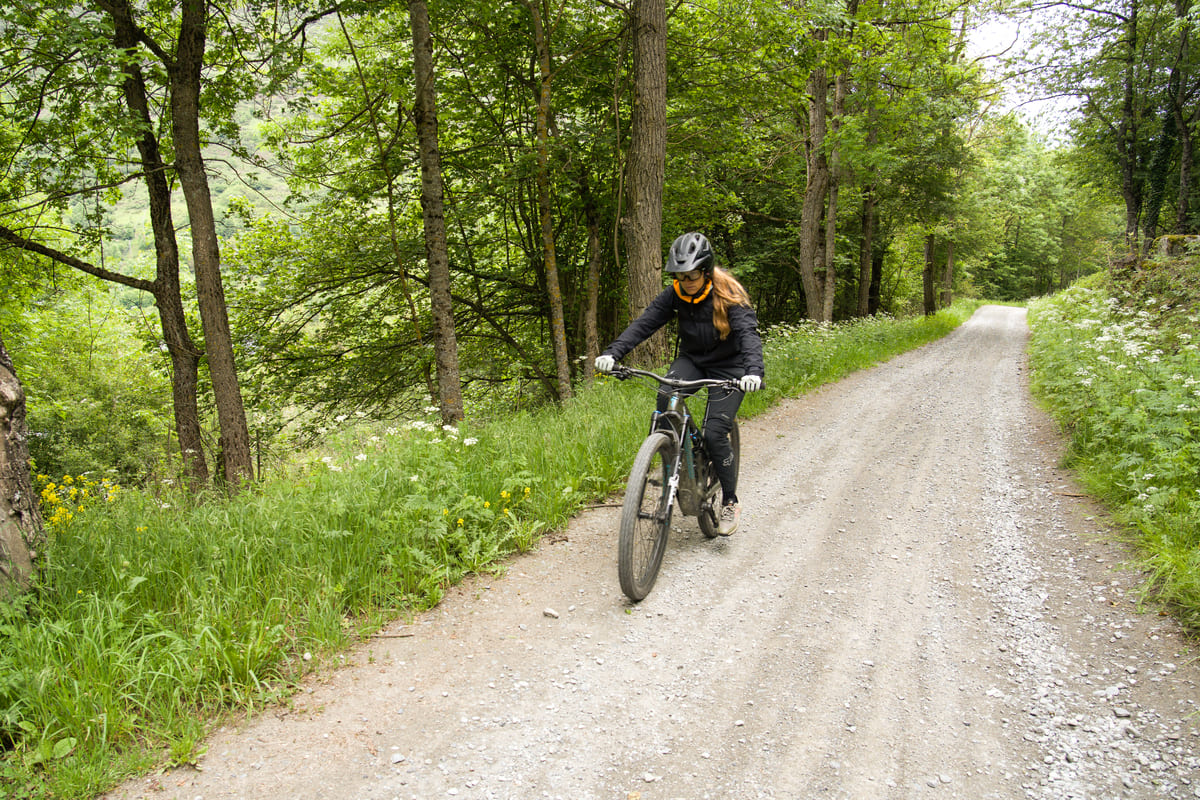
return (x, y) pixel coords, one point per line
(254, 191)
(234, 235)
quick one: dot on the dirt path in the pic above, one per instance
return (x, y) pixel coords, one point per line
(918, 605)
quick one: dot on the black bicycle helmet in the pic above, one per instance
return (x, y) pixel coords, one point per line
(690, 251)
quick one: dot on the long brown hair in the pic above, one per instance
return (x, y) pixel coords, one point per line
(727, 291)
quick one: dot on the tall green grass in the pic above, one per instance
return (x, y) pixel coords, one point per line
(1118, 365)
(156, 612)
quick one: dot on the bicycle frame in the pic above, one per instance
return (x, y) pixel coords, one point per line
(688, 479)
(690, 460)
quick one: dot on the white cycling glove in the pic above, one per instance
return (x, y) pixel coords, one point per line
(605, 363)
(750, 383)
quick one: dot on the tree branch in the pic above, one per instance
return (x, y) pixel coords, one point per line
(16, 240)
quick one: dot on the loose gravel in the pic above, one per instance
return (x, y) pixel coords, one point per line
(919, 604)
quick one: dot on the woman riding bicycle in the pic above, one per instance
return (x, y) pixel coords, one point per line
(718, 338)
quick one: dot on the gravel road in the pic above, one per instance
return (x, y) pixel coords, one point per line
(919, 604)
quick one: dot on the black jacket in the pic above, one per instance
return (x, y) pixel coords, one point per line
(698, 337)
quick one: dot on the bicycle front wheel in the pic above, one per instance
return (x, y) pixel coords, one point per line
(645, 517)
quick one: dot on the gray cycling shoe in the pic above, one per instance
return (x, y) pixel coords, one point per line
(727, 523)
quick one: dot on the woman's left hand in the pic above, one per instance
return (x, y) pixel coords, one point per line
(750, 383)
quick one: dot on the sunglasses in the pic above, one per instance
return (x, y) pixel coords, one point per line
(694, 275)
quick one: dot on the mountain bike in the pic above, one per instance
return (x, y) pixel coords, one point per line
(672, 467)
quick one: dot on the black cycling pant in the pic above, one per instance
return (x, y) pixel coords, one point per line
(722, 408)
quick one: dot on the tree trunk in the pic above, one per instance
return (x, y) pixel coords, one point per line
(1186, 164)
(876, 284)
(647, 164)
(867, 243)
(591, 335)
(839, 102)
(1159, 173)
(206, 256)
(816, 187)
(558, 328)
(930, 305)
(1183, 123)
(184, 355)
(21, 531)
(947, 297)
(1131, 180)
(433, 210)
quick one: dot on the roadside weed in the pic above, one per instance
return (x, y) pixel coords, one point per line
(1122, 373)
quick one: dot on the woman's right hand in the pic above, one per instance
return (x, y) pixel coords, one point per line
(750, 383)
(605, 363)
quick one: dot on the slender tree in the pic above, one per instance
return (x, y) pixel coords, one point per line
(558, 330)
(183, 69)
(425, 114)
(816, 190)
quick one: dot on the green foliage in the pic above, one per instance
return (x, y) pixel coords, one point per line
(1116, 361)
(157, 611)
(1124, 69)
(97, 402)
(1033, 224)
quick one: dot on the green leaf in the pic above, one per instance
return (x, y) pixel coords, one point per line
(63, 747)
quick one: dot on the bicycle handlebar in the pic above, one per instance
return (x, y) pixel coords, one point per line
(621, 373)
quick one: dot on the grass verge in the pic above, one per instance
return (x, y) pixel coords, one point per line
(1115, 360)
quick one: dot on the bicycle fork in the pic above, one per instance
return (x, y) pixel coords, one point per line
(672, 484)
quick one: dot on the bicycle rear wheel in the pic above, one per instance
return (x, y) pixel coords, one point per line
(711, 509)
(645, 517)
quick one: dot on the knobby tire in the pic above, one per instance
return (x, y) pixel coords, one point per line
(645, 517)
